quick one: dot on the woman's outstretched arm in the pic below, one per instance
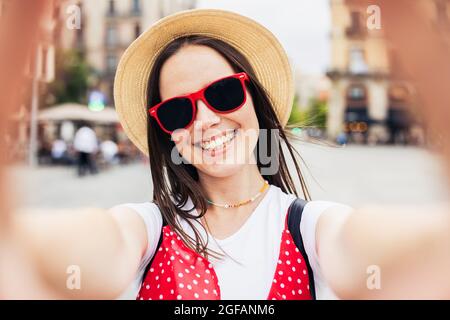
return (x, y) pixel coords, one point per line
(410, 245)
(386, 252)
(83, 253)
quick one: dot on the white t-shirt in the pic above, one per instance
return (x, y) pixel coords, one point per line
(247, 271)
(58, 148)
(85, 140)
(109, 149)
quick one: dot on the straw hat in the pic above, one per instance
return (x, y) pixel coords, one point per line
(254, 41)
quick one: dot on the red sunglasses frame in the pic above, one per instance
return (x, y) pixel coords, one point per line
(199, 95)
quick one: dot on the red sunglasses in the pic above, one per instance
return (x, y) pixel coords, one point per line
(224, 95)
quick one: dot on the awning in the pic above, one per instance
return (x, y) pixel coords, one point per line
(74, 111)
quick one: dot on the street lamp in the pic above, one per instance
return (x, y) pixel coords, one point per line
(44, 70)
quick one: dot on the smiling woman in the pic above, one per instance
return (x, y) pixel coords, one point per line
(212, 81)
(206, 85)
(210, 102)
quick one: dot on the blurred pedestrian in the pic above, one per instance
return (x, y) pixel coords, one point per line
(86, 145)
(59, 151)
(342, 139)
(109, 151)
(44, 152)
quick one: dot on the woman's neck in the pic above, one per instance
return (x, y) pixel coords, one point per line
(233, 189)
(236, 188)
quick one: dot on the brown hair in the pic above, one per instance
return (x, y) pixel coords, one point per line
(174, 183)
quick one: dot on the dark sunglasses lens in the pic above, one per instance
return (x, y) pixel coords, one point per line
(225, 95)
(175, 114)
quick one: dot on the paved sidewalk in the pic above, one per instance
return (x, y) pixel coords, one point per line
(351, 175)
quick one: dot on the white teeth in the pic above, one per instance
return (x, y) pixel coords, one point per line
(217, 143)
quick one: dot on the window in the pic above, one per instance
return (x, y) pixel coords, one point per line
(398, 93)
(356, 20)
(79, 35)
(110, 94)
(137, 30)
(356, 113)
(111, 35)
(136, 7)
(356, 27)
(111, 62)
(356, 92)
(399, 96)
(357, 96)
(357, 63)
(112, 7)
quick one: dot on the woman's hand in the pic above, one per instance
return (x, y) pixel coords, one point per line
(386, 252)
(18, 279)
(409, 246)
(83, 253)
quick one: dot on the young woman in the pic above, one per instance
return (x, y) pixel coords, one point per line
(205, 93)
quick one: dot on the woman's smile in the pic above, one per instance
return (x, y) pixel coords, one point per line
(217, 144)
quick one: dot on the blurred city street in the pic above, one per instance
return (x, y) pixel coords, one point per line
(91, 90)
(353, 175)
(346, 92)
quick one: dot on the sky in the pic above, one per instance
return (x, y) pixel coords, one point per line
(302, 27)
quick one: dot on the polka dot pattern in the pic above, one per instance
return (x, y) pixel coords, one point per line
(291, 280)
(179, 273)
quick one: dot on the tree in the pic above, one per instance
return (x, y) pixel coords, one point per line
(71, 80)
(296, 117)
(314, 116)
(317, 113)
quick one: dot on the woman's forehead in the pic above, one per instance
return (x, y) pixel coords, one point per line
(190, 69)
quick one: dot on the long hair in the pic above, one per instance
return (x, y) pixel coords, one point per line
(174, 184)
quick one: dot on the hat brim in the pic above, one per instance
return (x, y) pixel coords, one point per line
(255, 42)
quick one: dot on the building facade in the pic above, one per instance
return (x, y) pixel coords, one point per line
(309, 87)
(101, 30)
(366, 102)
(39, 70)
(106, 28)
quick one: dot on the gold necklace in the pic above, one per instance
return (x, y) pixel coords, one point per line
(236, 205)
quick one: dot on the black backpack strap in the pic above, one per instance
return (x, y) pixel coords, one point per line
(156, 251)
(295, 212)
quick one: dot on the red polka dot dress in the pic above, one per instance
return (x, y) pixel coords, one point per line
(179, 273)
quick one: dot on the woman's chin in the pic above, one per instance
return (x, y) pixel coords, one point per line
(222, 170)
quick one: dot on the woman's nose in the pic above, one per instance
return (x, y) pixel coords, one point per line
(205, 118)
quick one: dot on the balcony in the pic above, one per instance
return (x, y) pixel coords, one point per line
(357, 28)
(134, 11)
(337, 74)
(356, 31)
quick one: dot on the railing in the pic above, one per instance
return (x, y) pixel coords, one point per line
(124, 15)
